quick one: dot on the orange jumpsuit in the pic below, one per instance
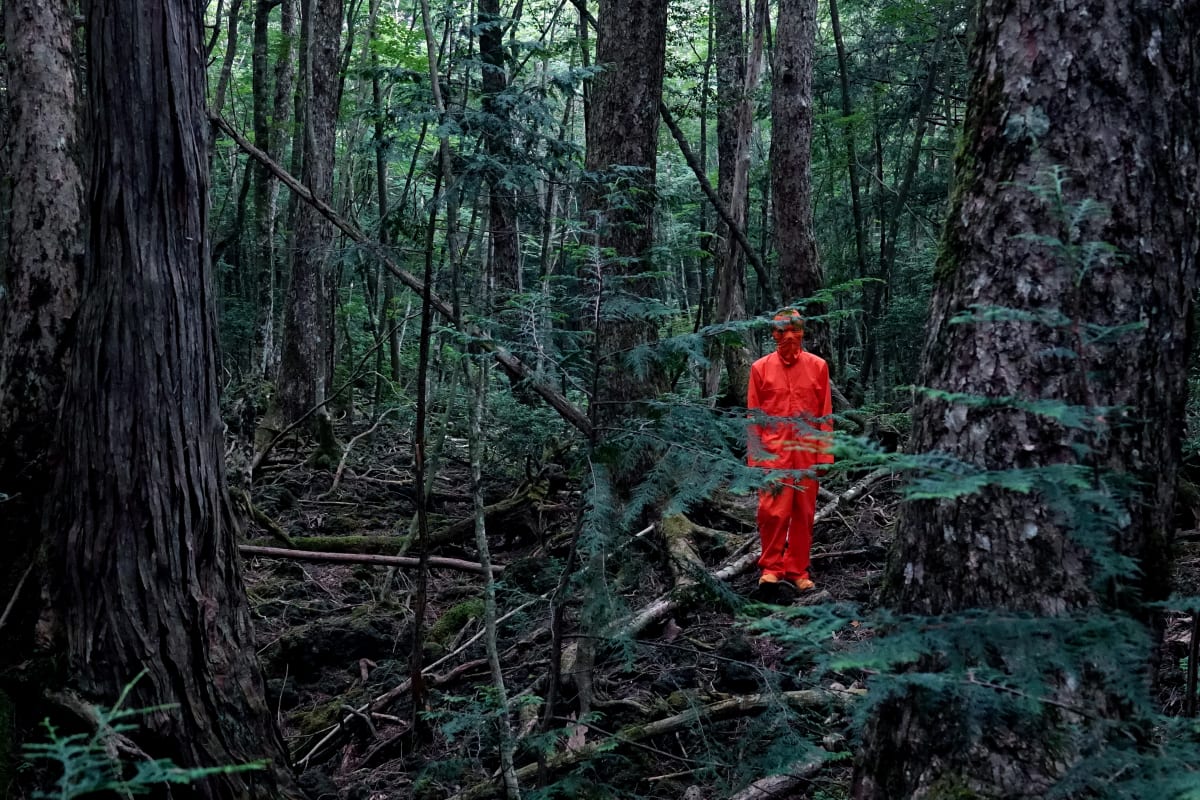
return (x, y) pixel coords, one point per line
(800, 391)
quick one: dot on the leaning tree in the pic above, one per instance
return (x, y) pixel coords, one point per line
(1057, 345)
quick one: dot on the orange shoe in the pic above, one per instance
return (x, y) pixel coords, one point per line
(768, 577)
(804, 584)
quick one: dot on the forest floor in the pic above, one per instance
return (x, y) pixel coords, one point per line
(698, 705)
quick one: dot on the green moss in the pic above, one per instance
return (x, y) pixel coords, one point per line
(452, 621)
(951, 787)
(329, 449)
(319, 717)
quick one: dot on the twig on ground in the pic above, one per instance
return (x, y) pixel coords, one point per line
(12, 601)
(337, 478)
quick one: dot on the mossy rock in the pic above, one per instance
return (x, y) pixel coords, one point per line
(335, 642)
(442, 632)
(320, 717)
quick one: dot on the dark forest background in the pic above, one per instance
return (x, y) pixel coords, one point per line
(373, 380)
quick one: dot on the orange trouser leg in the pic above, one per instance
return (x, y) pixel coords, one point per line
(799, 549)
(785, 523)
(774, 515)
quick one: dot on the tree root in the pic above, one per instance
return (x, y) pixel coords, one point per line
(241, 499)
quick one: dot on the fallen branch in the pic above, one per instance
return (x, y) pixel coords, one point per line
(360, 558)
(670, 602)
(12, 601)
(566, 409)
(784, 784)
(715, 201)
(242, 498)
(385, 699)
(632, 734)
(341, 470)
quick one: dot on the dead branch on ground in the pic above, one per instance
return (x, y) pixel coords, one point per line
(359, 558)
(631, 734)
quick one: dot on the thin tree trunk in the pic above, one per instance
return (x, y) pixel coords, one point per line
(504, 257)
(479, 390)
(231, 43)
(698, 275)
(738, 75)
(848, 135)
(266, 189)
(890, 227)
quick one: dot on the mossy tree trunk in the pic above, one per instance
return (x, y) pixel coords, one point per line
(1108, 91)
(143, 567)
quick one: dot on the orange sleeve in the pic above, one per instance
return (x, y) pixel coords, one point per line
(826, 416)
(754, 443)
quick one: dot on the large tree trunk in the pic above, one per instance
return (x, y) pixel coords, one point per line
(40, 295)
(622, 147)
(304, 370)
(143, 568)
(791, 157)
(1109, 92)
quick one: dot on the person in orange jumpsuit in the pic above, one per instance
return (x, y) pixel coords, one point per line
(792, 387)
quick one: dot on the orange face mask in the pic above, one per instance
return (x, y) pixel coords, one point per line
(789, 337)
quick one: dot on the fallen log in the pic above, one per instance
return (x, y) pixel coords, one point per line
(361, 558)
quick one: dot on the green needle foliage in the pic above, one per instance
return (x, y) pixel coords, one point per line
(87, 763)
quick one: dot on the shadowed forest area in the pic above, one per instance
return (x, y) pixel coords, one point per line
(376, 383)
